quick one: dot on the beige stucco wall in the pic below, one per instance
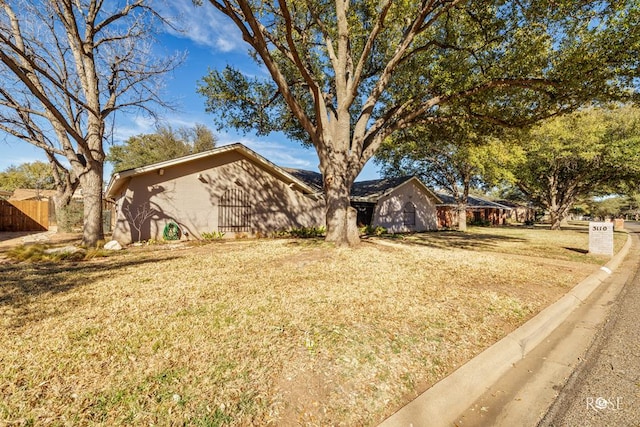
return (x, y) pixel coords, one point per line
(179, 195)
(389, 210)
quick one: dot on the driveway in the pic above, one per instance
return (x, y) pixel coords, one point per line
(11, 239)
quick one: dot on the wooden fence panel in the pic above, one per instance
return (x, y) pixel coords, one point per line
(25, 215)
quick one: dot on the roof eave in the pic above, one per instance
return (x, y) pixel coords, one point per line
(118, 180)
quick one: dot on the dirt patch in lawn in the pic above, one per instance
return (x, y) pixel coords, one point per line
(279, 332)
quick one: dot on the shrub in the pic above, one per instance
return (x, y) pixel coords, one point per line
(480, 222)
(373, 231)
(307, 232)
(71, 217)
(214, 235)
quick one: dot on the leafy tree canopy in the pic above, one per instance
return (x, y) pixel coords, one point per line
(165, 144)
(590, 152)
(454, 156)
(28, 175)
(510, 61)
(345, 76)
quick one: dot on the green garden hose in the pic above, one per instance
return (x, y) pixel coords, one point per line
(171, 231)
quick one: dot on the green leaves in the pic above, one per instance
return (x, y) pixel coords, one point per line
(591, 152)
(238, 101)
(28, 175)
(165, 144)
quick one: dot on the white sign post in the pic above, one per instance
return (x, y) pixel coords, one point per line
(601, 238)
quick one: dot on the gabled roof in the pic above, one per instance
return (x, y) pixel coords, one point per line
(376, 188)
(31, 194)
(120, 179)
(512, 204)
(312, 179)
(472, 202)
(371, 191)
(308, 182)
(362, 191)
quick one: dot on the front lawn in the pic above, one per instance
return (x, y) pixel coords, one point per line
(281, 332)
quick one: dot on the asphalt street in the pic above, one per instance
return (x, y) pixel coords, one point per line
(586, 372)
(604, 390)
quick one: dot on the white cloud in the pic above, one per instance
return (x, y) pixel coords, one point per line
(286, 154)
(137, 125)
(203, 25)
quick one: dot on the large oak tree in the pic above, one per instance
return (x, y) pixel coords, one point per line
(66, 68)
(454, 156)
(593, 152)
(344, 76)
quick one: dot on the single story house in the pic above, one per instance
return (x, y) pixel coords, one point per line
(20, 194)
(479, 210)
(402, 204)
(230, 189)
(520, 212)
(233, 190)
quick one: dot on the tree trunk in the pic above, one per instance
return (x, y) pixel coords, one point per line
(556, 213)
(342, 228)
(462, 217)
(66, 185)
(556, 219)
(61, 202)
(91, 184)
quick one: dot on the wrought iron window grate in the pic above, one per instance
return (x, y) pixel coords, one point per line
(234, 213)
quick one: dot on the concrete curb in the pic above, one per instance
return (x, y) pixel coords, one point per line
(441, 404)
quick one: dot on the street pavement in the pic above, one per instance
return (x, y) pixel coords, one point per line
(605, 389)
(586, 373)
(531, 376)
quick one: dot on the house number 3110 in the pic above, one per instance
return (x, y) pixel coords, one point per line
(599, 228)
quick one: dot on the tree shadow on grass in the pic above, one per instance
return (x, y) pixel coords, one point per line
(455, 240)
(23, 284)
(580, 251)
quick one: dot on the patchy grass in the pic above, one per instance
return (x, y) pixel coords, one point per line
(39, 252)
(571, 244)
(280, 332)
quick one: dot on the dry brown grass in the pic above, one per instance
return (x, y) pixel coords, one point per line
(282, 332)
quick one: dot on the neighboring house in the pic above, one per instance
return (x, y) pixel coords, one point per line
(479, 210)
(4, 195)
(20, 194)
(232, 189)
(520, 212)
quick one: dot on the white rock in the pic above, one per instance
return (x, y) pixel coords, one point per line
(113, 245)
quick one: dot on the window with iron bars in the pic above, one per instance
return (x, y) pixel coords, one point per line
(234, 213)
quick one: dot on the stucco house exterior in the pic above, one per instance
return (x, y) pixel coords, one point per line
(400, 205)
(233, 190)
(230, 189)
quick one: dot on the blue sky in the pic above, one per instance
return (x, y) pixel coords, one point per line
(211, 41)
